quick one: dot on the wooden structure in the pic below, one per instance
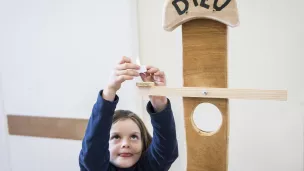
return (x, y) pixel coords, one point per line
(204, 65)
(204, 32)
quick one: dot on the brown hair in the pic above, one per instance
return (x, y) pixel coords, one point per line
(126, 114)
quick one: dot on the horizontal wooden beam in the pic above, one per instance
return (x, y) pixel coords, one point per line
(249, 94)
(74, 129)
(48, 127)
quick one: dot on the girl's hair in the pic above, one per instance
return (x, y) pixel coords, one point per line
(126, 114)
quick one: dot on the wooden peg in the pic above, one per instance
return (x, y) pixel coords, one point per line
(145, 84)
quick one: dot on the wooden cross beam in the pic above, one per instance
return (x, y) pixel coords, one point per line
(204, 32)
(220, 93)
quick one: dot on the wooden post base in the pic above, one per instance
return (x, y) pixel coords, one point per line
(205, 65)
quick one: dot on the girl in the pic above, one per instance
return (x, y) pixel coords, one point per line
(118, 140)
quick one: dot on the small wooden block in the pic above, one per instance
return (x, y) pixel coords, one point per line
(145, 84)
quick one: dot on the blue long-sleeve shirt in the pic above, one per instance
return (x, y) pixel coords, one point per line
(95, 156)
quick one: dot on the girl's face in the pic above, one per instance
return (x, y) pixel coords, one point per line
(125, 144)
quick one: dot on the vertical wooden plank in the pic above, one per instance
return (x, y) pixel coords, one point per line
(205, 65)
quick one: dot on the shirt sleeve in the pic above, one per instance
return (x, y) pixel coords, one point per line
(163, 150)
(94, 154)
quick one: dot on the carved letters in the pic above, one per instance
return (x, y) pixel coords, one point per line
(203, 4)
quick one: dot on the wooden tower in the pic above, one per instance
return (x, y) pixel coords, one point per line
(204, 32)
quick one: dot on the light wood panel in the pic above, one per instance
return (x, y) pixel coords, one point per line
(203, 92)
(205, 65)
(48, 127)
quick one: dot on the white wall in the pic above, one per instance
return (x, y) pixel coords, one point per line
(59, 50)
(264, 53)
(4, 144)
(57, 55)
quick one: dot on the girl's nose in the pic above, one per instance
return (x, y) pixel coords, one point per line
(125, 144)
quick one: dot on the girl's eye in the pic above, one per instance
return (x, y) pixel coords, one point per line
(115, 137)
(134, 137)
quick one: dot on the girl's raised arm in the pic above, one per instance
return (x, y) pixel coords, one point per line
(94, 155)
(163, 150)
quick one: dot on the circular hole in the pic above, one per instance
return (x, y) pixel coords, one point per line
(207, 117)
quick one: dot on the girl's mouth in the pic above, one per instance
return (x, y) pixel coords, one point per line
(125, 155)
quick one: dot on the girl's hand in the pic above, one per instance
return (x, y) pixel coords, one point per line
(125, 70)
(158, 77)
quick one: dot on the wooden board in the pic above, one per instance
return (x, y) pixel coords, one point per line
(203, 92)
(177, 12)
(48, 127)
(205, 65)
(145, 84)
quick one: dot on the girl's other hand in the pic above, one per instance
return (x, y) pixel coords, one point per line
(124, 70)
(153, 74)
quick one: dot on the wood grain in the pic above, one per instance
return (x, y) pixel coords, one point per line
(205, 65)
(145, 84)
(246, 94)
(48, 127)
